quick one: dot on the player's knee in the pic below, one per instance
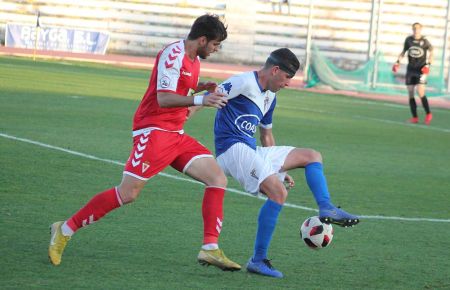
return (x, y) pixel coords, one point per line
(219, 180)
(128, 194)
(314, 156)
(283, 196)
(279, 197)
(274, 189)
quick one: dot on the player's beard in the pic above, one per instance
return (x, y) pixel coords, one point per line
(273, 87)
(203, 51)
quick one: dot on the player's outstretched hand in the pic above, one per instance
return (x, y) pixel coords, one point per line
(289, 182)
(395, 67)
(426, 69)
(216, 100)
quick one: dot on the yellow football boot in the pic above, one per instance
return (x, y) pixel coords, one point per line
(217, 258)
(57, 243)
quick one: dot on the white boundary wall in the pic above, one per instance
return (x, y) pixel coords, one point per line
(340, 27)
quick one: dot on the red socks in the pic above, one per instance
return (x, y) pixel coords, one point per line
(104, 202)
(95, 209)
(212, 210)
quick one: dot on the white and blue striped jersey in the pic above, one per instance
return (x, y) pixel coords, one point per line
(249, 106)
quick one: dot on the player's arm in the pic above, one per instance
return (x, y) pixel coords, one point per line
(265, 127)
(430, 57)
(169, 71)
(405, 49)
(396, 65)
(206, 86)
(429, 49)
(171, 100)
(266, 137)
(400, 57)
(430, 53)
(210, 87)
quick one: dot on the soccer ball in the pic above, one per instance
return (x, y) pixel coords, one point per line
(316, 234)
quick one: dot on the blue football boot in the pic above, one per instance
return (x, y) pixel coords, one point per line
(263, 267)
(337, 216)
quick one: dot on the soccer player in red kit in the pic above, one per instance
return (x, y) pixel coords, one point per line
(159, 141)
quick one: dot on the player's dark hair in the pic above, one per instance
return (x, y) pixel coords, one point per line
(285, 59)
(416, 23)
(210, 26)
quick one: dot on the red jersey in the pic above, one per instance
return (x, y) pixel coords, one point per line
(173, 72)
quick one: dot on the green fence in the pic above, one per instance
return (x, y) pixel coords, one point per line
(323, 71)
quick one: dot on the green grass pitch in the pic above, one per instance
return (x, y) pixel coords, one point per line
(376, 165)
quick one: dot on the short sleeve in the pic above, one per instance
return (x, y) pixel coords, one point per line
(428, 45)
(233, 87)
(406, 45)
(169, 65)
(266, 121)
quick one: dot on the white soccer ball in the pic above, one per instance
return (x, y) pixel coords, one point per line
(316, 234)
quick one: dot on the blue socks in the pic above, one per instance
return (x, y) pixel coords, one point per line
(267, 220)
(318, 184)
(268, 214)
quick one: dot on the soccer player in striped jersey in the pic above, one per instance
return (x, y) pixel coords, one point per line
(251, 103)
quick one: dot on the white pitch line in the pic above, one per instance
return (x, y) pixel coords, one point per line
(92, 157)
(359, 117)
(386, 104)
(402, 123)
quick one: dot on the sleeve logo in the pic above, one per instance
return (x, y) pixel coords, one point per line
(164, 82)
(226, 87)
(173, 54)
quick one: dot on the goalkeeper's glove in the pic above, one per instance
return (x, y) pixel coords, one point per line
(426, 69)
(395, 67)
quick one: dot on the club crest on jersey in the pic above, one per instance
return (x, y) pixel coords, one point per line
(164, 82)
(247, 124)
(145, 166)
(266, 103)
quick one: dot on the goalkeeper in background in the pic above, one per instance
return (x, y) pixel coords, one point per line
(420, 56)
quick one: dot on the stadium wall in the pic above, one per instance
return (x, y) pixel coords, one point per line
(256, 27)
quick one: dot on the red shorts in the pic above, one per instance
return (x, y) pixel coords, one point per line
(155, 150)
